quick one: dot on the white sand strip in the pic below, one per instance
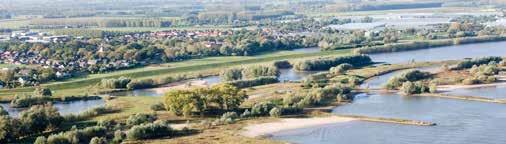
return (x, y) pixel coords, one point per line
(266, 129)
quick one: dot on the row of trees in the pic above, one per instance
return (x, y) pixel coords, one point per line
(35, 120)
(328, 62)
(200, 100)
(250, 72)
(408, 76)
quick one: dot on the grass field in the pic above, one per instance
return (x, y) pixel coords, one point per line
(14, 24)
(81, 86)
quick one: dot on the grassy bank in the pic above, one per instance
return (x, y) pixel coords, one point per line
(205, 65)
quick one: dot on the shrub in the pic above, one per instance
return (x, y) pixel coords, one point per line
(262, 109)
(89, 113)
(8, 129)
(140, 84)
(414, 87)
(23, 102)
(231, 74)
(254, 82)
(77, 135)
(477, 61)
(40, 118)
(470, 81)
(412, 75)
(58, 139)
(327, 63)
(149, 131)
(42, 92)
(119, 136)
(246, 114)
(282, 64)
(341, 69)
(158, 107)
(226, 118)
(256, 71)
(98, 140)
(275, 112)
(3, 112)
(107, 123)
(40, 140)
(115, 83)
(140, 118)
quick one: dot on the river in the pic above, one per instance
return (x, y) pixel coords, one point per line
(288, 74)
(74, 107)
(457, 121)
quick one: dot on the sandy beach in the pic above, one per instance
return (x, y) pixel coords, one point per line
(501, 79)
(265, 129)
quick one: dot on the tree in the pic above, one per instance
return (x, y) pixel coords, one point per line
(42, 92)
(184, 102)
(3, 112)
(140, 118)
(40, 118)
(231, 74)
(8, 129)
(341, 69)
(98, 140)
(231, 96)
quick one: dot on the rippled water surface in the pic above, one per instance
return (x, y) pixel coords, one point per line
(456, 52)
(459, 122)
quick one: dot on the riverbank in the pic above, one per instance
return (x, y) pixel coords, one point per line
(501, 82)
(265, 129)
(426, 44)
(468, 98)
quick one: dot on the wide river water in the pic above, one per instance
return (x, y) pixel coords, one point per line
(458, 122)
(64, 108)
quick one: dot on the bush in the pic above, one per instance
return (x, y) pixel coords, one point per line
(282, 64)
(140, 84)
(89, 113)
(40, 118)
(149, 131)
(3, 112)
(341, 69)
(140, 118)
(254, 82)
(414, 87)
(256, 71)
(158, 107)
(477, 61)
(8, 129)
(77, 135)
(246, 114)
(275, 112)
(226, 118)
(58, 139)
(262, 109)
(40, 140)
(23, 102)
(42, 92)
(412, 75)
(119, 83)
(98, 140)
(119, 136)
(231, 74)
(327, 63)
